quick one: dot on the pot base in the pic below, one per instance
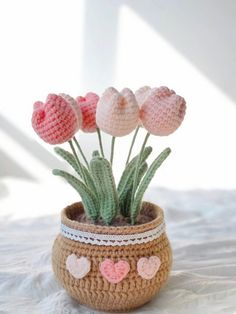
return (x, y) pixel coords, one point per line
(94, 290)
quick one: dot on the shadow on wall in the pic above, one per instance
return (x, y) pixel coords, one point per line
(3, 190)
(9, 167)
(100, 35)
(202, 31)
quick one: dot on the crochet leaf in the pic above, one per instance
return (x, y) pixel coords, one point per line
(72, 161)
(135, 207)
(89, 199)
(128, 173)
(125, 195)
(105, 185)
(95, 153)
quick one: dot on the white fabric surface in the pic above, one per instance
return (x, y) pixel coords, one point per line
(202, 229)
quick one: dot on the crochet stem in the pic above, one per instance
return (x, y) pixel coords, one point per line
(137, 168)
(100, 141)
(77, 160)
(132, 144)
(112, 149)
(81, 152)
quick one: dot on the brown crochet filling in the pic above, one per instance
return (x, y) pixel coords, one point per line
(147, 214)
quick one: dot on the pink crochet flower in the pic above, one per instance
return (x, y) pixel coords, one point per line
(56, 120)
(162, 111)
(117, 113)
(73, 103)
(141, 94)
(88, 106)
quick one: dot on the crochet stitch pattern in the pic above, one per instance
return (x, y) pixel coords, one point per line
(78, 267)
(114, 272)
(56, 121)
(162, 111)
(94, 290)
(73, 103)
(148, 267)
(112, 253)
(88, 106)
(117, 113)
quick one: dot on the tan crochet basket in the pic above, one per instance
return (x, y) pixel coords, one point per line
(94, 290)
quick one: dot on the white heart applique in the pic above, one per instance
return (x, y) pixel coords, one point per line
(148, 267)
(78, 267)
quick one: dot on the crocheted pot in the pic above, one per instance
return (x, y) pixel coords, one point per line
(112, 268)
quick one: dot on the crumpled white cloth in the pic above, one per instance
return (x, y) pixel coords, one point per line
(202, 229)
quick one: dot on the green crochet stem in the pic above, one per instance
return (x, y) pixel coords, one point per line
(70, 159)
(135, 181)
(89, 199)
(126, 193)
(77, 160)
(100, 141)
(132, 144)
(128, 174)
(112, 149)
(105, 184)
(81, 151)
(136, 203)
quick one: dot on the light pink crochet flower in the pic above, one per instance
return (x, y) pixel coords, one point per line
(141, 94)
(162, 111)
(88, 106)
(56, 120)
(117, 113)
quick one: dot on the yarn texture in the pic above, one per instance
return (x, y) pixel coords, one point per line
(55, 121)
(114, 272)
(117, 113)
(162, 111)
(148, 267)
(73, 103)
(78, 267)
(88, 106)
(103, 291)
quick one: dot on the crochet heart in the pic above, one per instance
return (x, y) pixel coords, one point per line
(117, 113)
(114, 272)
(78, 267)
(148, 267)
(56, 121)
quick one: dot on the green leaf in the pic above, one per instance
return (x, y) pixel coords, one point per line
(105, 184)
(135, 207)
(95, 153)
(128, 173)
(89, 200)
(68, 157)
(125, 195)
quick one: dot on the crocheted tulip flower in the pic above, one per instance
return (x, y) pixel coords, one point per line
(88, 106)
(117, 113)
(162, 111)
(56, 120)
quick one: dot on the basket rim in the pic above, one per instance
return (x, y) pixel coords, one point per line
(119, 230)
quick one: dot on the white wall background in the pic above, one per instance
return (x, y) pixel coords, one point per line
(77, 46)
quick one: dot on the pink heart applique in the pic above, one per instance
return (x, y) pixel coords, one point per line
(114, 272)
(78, 267)
(148, 267)
(56, 121)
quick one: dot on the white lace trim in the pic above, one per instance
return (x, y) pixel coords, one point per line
(112, 239)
